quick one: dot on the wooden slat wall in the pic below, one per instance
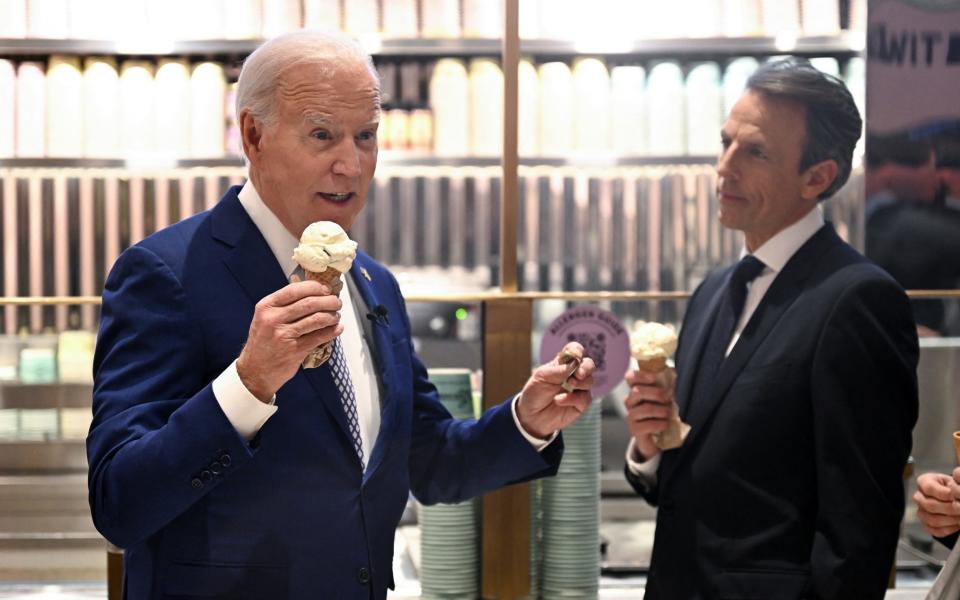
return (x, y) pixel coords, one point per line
(625, 228)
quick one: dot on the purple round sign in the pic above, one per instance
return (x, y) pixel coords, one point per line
(602, 336)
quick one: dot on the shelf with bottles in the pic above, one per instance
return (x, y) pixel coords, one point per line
(846, 43)
(243, 20)
(175, 110)
(387, 158)
(160, 85)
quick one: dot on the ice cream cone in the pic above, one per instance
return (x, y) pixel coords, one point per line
(653, 365)
(325, 253)
(330, 277)
(651, 345)
(956, 444)
(323, 352)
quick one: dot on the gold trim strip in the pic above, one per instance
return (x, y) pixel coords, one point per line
(481, 297)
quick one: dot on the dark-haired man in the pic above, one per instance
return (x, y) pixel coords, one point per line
(796, 371)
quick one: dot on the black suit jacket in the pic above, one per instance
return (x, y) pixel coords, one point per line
(790, 482)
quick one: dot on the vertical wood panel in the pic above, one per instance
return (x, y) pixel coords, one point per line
(87, 260)
(211, 190)
(505, 571)
(137, 202)
(9, 250)
(161, 208)
(61, 241)
(510, 186)
(111, 224)
(34, 248)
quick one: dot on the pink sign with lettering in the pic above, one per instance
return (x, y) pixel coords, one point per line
(603, 337)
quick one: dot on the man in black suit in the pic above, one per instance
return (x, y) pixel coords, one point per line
(796, 372)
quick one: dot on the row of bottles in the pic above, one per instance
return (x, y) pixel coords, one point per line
(178, 110)
(94, 109)
(664, 109)
(145, 21)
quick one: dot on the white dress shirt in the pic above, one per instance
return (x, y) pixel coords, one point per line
(247, 414)
(774, 253)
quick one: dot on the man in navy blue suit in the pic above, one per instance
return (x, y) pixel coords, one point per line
(223, 468)
(796, 371)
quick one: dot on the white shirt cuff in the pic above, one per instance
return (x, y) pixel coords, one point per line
(243, 410)
(646, 470)
(537, 443)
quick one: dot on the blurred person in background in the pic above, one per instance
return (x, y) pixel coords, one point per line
(223, 468)
(911, 231)
(796, 371)
(948, 169)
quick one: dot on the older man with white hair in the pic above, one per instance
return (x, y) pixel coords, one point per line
(221, 466)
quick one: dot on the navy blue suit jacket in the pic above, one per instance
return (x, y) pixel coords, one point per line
(203, 514)
(790, 483)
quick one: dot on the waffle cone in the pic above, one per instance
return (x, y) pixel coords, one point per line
(653, 365)
(323, 352)
(676, 431)
(956, 443)
(330, 277)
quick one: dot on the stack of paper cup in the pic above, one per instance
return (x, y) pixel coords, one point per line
(450, 533)
(571, 514)
(536, 539)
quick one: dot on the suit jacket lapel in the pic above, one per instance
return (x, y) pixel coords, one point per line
(377, 335)
(701, 329)
(782, 293)
(254, 266)
(250, 259)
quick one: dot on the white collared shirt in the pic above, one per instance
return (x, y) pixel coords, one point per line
(774, 253)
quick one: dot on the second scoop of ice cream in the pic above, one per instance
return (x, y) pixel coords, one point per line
(325, 245)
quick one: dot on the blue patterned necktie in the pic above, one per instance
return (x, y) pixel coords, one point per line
(724, 322)
(341, 377)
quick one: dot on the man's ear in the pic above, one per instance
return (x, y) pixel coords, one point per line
(818, 178)
(251, 134)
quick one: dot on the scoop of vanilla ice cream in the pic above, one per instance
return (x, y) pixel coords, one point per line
(650, 340)
(325, 245)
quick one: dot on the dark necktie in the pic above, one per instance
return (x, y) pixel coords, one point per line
(341, 378)
(734, 294)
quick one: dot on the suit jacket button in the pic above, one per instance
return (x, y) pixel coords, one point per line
(206, 476)
(216, 468)
(363, 576)
(225, 460)
(196, 483)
